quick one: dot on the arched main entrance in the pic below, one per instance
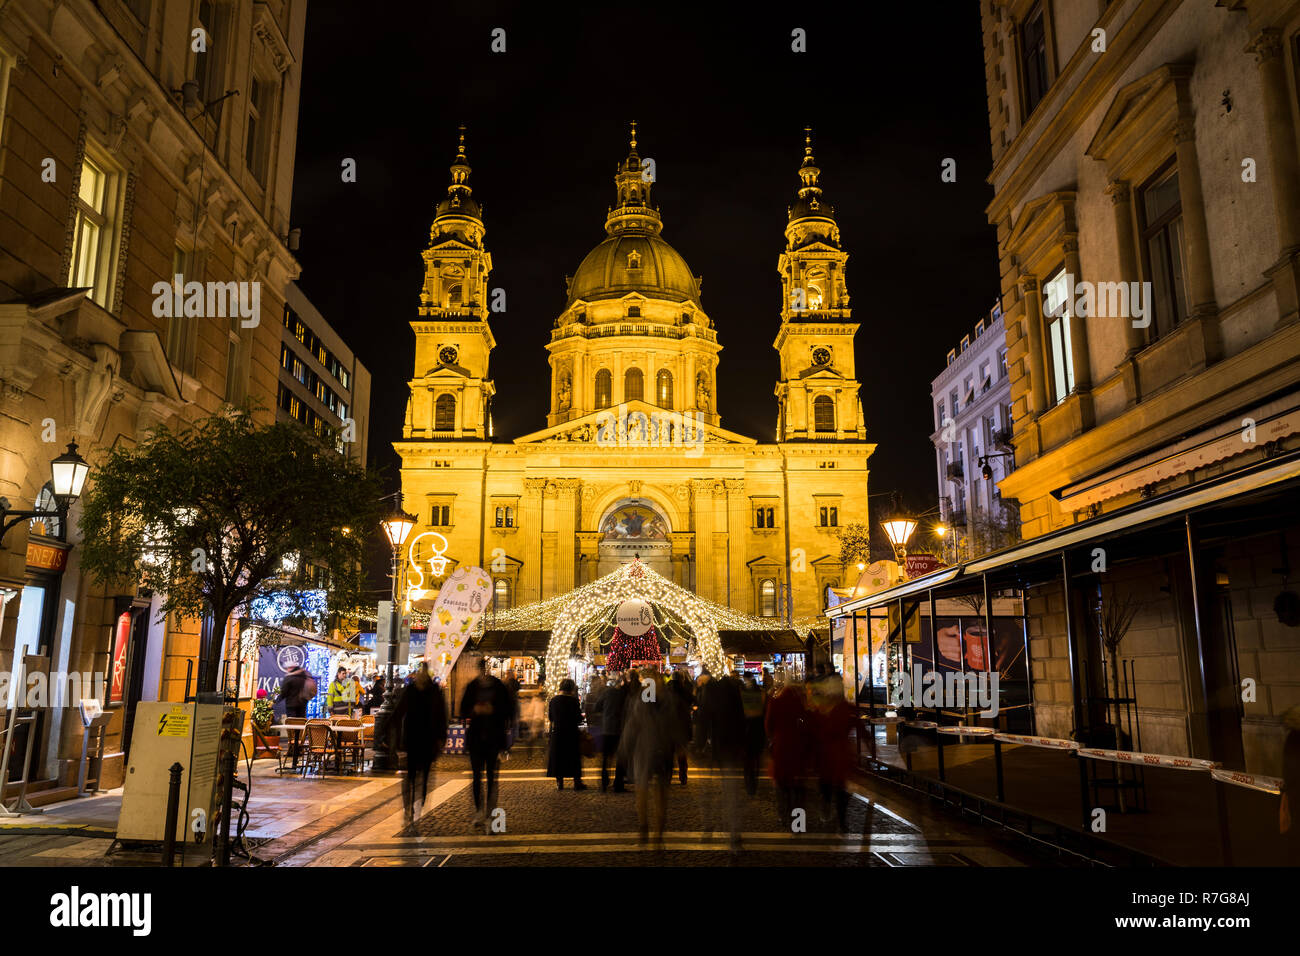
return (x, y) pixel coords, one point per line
(635, 528)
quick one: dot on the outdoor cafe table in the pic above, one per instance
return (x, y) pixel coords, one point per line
(335, 730)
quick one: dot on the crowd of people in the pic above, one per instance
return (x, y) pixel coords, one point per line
(646, 728)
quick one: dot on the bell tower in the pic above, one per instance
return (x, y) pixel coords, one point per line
(817, 389)
(451, 392)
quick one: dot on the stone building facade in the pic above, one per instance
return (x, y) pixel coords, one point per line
(1147, 205)
(124, 163)
(633, 460)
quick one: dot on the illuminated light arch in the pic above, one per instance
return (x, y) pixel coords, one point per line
(633, 580)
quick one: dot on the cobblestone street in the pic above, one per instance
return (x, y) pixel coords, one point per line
(548, 827)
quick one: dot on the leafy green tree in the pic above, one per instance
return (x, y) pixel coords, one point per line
(217, 513)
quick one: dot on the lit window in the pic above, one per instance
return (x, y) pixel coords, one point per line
(95, 232)
(767, 595)
(633, 385)
(664, 388)
(501, 594)
(604, 385)
(1060, 375)
(824, 413)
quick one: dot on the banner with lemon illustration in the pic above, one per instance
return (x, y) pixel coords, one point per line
(460, 603)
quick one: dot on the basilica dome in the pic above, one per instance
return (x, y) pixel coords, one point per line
(634, 262)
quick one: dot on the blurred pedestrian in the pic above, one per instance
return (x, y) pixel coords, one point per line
(722, 733)
(786, 725)
(489, 712)
(647, 746)
(832, 720)
(683, 703)
(296, 690)
(421, 713)
(754, 701)
(375, 699)
(565, 758)
(611, 709)
(591, 707)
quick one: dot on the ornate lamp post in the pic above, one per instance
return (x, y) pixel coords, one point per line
(397, 527)
(898, 531)
(68, 476)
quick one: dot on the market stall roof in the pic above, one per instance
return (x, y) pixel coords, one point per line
(756, 644)
(1124, 521)
(501, 643)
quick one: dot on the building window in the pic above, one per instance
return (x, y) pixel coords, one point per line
(510, 517)
(501, 594)
(1161, 212)
(664, 388)
(634, 311)
(824, 414)
(604, 386)
(454, 296)
(1060, 370)
(259, 122)
(633, 386)
(1033, 57)
(829, 516)
(767, 598)
(986, 380)
(765, 517)
(444, 413)
(952, 400)
(234, 381)
(501, 517)
(440, 516)
(95, 236)
(209, 71)
(1002, 364)
(941, 416)
(182, 329)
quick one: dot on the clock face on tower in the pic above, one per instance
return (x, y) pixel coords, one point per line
(448, 355)
(821, 357)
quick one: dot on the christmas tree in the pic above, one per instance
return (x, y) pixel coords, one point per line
(623, 649)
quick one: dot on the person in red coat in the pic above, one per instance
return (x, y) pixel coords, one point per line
(833, 718)
(786, 724)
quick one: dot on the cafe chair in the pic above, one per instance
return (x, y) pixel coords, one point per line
(350, 736)
(291, 752)
(318, 748)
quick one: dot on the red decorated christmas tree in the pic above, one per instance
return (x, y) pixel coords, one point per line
(624, 649)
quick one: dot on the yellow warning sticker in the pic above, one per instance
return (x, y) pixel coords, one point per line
(174, 724)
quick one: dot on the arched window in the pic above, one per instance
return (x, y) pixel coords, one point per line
(501, 517)
(444, 413)
(664, 388)
(824, 413)
(604, 385)
(510, 517)
(767, 598)
(633, 386)
(454, 295)
(501, 594)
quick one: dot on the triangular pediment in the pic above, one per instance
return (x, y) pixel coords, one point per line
(821, 371)
(443, 368)
(1159, 97)
(640, 425)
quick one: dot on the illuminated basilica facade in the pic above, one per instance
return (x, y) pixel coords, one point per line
(633, 458)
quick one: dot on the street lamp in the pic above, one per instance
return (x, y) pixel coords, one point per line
(397, 527)
(986, 472)
(942, 531)
(67, 476)
(898, 531)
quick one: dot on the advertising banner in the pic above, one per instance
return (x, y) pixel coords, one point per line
(460, 603)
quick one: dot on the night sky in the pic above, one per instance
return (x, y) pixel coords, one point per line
(721, 102)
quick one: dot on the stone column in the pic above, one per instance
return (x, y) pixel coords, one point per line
(1078, 323)
(702, 498)
(1200, 272)
(1121, 199)
(737, 530)
(589, 547)
(565, 528)
(1033, 320)
(1284, 168)
(531, 531)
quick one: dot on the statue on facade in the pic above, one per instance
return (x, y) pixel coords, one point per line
(702, 392)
